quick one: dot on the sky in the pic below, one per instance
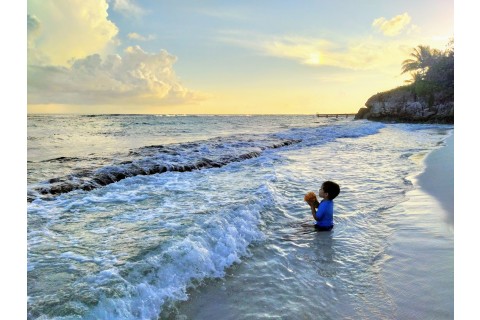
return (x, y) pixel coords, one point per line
(223, 57)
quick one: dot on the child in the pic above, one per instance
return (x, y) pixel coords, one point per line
(324, 214)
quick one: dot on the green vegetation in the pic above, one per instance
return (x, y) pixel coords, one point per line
(428, 97)
(432, 73)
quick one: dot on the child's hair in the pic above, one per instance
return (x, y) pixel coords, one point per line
(331, 188)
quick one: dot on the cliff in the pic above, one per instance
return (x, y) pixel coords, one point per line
(403, 104)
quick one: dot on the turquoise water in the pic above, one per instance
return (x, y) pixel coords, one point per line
(222, 231)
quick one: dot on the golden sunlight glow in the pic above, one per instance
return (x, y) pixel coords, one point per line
(304, 50)
(314, 58)
(90, 56)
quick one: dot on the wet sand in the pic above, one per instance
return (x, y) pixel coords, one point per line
(438, 177)
(419, 272)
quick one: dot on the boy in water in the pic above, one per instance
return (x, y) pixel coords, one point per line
(324, 214)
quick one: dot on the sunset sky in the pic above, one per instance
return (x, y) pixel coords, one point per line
(223, 57)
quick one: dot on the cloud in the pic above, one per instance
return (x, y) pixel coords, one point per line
(128, 8)
(72, 59)
(359, 54)
(137, 36)
(306, 51)
(138, 78)
(317, 52)
(33, 31)
(393, 26)
(64, 30)
(233, 13)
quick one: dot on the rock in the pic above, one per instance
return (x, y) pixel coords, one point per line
(403, 105)
(362, 113)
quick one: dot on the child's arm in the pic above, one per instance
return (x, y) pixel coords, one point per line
(317, 214)
(314, 211)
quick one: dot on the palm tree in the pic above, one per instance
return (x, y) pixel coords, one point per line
(424, 57)
(416, 76)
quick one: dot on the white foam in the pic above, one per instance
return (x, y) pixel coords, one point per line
(219, 242)
(80, 258)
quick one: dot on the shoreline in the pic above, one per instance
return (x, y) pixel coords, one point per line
(438, 177)
(419, 271)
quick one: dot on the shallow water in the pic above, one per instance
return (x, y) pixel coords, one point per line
(231, 241)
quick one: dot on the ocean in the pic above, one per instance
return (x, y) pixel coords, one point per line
(203, 217)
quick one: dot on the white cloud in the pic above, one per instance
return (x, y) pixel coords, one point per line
(365, 53)
(305, 50)
(393, 26)
(136, 78)
(72, 60)
(64, 30)
(128, 8)
(137, 36)
(233, 13)
(360, 54)
(33, 31)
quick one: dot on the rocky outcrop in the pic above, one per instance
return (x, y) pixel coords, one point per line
(403, 105)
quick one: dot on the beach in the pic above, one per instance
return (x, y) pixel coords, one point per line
(438, 177)
(420, 272)
(203, 217)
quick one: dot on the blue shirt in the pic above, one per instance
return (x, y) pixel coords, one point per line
(325, 213)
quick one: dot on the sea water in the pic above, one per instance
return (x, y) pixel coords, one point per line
(202, 217)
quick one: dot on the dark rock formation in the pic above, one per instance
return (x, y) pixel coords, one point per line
(404, 105)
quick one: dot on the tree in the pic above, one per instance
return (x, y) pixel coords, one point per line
(423, 58)
(432, 71)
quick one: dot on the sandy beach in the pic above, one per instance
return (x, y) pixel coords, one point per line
(438, 177)
(420, 272)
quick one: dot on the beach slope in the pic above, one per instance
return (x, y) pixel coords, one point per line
(419, 271)
(438, 177)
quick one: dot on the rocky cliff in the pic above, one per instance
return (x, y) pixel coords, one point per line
(404, 105)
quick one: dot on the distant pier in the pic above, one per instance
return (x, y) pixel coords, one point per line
(335, 115)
